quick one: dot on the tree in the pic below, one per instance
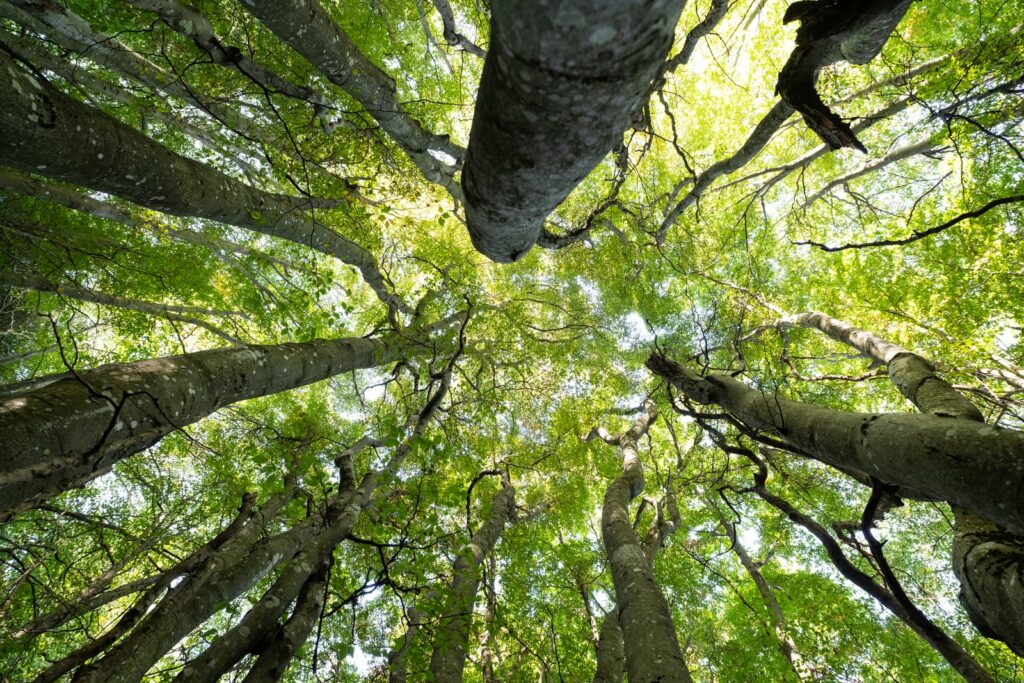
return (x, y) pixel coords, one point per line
(286, 393)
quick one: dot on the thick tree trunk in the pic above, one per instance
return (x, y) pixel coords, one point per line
(109, 156)
(973, 465)
(987, 561)
(560, 84)
(68, 432)
(449, 655)
(306, 27)
(651, 645)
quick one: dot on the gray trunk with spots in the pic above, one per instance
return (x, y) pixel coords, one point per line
(611, 653)
(67, 432)
(107, 155)
(651, 646)
(284, 644)
(987, 561)
(306, 27)
(973, 465)
(449, 654)
(233, 572)
(561, 83)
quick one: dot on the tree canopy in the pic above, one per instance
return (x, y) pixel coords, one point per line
(751, 408)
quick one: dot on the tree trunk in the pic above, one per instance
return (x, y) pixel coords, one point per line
(611, 653)
(560, 84)
(449, 655)
(232, 572)
(651, 646)
(231, 543)
(306, 27)
(277, 656)
(778, 619)
(112, 157)
(976, 466)
(68, 432)
(987, 561)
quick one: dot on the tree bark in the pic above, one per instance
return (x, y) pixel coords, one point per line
(611, 651)
(277, 656)
(306, 27)
(973, 465)
(987, 561)
(109, 156)
(649, 636)
(775, 614)
(231, 543)
(68, 432)
(560, 84)
(449, 654)
(829, 32)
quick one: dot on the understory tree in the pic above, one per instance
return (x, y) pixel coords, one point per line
(511, 341)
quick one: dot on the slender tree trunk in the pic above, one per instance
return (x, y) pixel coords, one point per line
(978, 467)
(259, 626)
(903, 609)
(988, 561)
(560, 85)
(778, 619)
(651, 645)
(277, 656)
(306, 27)
(64, 434)
(230, 572)
(449, 655)
(231, 543)
(75, 35)
(611, 650)
(112, 157)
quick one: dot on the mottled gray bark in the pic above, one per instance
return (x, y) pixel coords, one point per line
(969, 464)
(649, 636)
(109, 156)
(306, 27)
(901, 607)
(235, 569)
(259, 626)
(451, 35)
(73, 33)
(560, 84)
(234, 541)
(196, 27)
(925, 148)
(912, 374)
(452, 638)
(829, 32)
(177, 313)
(611, 651)
(759, 137)
(987, 561)
(277, 656)
(64, 434)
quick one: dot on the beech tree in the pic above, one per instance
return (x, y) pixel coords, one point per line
(287, 393)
